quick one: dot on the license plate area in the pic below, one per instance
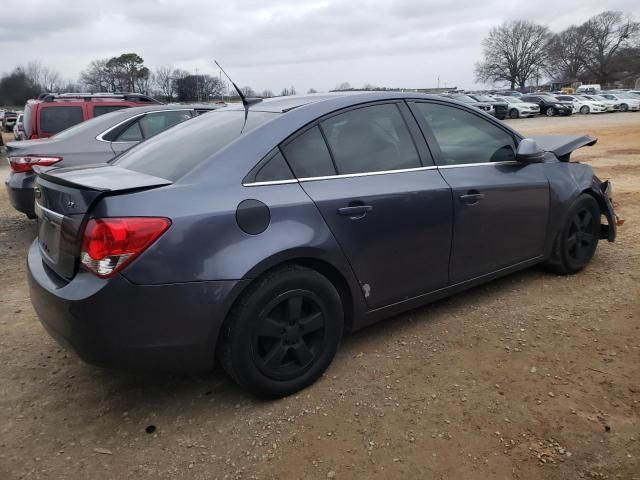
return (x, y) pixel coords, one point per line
(49, 232)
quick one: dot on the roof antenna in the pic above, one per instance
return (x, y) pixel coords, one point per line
(245, 101)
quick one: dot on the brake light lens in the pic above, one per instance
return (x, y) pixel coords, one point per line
(111, 243)
(25, 163)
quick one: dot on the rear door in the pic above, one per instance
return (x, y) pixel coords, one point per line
(381, 196)
(500, 206)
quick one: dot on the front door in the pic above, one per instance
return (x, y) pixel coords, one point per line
(388, 208)
(500, 206)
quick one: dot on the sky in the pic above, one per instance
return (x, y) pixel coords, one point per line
(276, 44)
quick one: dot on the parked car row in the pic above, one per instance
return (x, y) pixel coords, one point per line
(113, 128)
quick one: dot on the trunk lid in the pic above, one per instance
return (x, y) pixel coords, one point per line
(64, 199)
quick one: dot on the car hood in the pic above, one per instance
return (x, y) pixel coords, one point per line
(563, 145)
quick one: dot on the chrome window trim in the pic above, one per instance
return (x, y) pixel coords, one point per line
(370, 174)
(100, 136)
(345, 175)
(272, 182)
(366, 174)
(482, 164)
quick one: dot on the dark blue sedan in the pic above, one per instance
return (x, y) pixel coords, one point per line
(257, 235)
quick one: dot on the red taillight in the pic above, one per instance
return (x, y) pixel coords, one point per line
(25, 163)
(111, 243)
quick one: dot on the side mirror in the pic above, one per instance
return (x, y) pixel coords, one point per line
(529, 151)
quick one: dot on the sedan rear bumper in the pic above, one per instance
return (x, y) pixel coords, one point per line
(115, 323)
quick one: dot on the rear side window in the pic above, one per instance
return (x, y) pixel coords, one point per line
(275, 169)
(102, 109)
(308, 155)
(131, 134)
(370, 139)
(56, 119)
(173, 153)
(154, 123)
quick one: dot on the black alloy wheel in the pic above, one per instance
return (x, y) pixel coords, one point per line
(289, 334)
(576, 242)
(549, 112)
(580, 238)
(283, 332)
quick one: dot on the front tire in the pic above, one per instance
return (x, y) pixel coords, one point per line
(577, 240)
(514, 113)
(549, 112)
(283, 333)
(624, 107)
(584, 110)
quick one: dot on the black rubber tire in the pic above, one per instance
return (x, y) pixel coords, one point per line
(584, 110)
(238, 351)
(624, 107)
(514, 113)
(550, 112)
(562, 261)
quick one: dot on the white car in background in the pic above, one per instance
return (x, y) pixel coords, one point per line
(628, 103)
(519, 108)
(583, 105)
(612, 105)
(18, 128)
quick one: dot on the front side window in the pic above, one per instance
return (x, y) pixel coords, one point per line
(56, 119)
(370, 139)
(465, 138)
(308, 155)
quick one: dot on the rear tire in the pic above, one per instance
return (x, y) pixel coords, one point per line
(283, 333)
(584, 110)
(549, 112)
(577, 240)
(514, 113)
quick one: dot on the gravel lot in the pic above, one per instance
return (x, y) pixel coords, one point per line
(532, 376)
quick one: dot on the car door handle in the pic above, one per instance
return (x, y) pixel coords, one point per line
(471, 198)
(355, 212)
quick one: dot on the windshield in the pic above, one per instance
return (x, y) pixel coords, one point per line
(484, 98)
(549, 98)
(174, 152)
(597, 97)
(511, 99)
(625, 95)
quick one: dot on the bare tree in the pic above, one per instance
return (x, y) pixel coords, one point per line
(95, 77)
(51, 80)
(565, 55)
(266, 93)
(33, 71)
(343, 86)
(513, 52)
(165, 81)
(605, 35)
(312, 90)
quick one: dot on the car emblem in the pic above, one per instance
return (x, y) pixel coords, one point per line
(37, 192)
(71, 204)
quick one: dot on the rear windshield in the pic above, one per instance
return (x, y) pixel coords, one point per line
(56, 119)
(173, 153)
(102, 109)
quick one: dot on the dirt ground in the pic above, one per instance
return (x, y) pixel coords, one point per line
(534, 376)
